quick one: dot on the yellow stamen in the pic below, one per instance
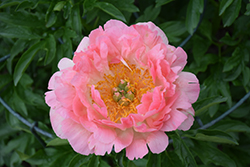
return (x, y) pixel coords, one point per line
(140, 82)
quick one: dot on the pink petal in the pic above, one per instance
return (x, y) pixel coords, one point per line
(65, 95)
(157, 141)
(175, 120)
(181, 58)
(65, 63)
(50, 99)
(105, 135)
(83, 44)
(123, 139)
(189, 84)
(56, 122)
(77, 136)
(138, 148)
(186, 125)
(99, 147)
(101, 108)
(111, 24)
(52, 81)
(153, 27)
(78, 108)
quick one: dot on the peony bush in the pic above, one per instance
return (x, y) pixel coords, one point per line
(123, 89)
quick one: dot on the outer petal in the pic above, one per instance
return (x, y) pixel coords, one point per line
(138, 148)
(189, 84)
(83, 44)
(52, 81)
(186, 125)
(56, 122)
(181, 58)
(175, 120)
(98, 146)
(77, 136)
(153, 27)
(157, 141)
(50, 99)
(65, 63)
(123, 139)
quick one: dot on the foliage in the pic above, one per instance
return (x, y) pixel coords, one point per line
(38, 33)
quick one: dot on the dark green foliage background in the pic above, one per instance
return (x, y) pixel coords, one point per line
(38, 33)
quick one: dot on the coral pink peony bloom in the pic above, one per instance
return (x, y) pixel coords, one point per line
(124, 89)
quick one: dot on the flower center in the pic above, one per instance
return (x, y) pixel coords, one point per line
(124, 94)
(122, 91)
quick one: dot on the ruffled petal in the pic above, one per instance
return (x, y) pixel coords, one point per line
(56, 122)
(157, 141)
(189, 84)
(98, 146)
(65, 63)
(138, 148)
(123, 139)
(175, 120)
(186, 125)
(83, 45)
(153, 27)
(77, 136)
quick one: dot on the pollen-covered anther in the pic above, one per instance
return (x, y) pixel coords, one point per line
(122, 91)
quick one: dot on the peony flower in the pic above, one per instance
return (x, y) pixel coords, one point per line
(123, 90)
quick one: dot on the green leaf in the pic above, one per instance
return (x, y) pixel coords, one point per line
(79, 160)
(22, 156)
(224, 4)
(111, 10)
(154, 160)
(67, 10)
(25, 60)
(149, 14)
(223, 88)
(246, 75)
(200, 50)
(26, 4)
(231, 13)
(195, 8)
(18, 104)
(4, 80)
(233, 74)
(248, 10)
(7, 3)
(205, 29)
(162, 2)
(202, 105)
(233, 61)
(51, 49)
(210, 154)
(125, 5)
(183, 151)
(59, 6)
(20, 19)
(94, 161)
(206, 60)
(51, 157)
(76, 20)
(51, 19)
(58, 142)
(216, 136)
(241, 112)
(88, 5)
(171, 159)
(18, 47)
(228, 40)
(18, 32)
(173, 30)
(232, 126)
